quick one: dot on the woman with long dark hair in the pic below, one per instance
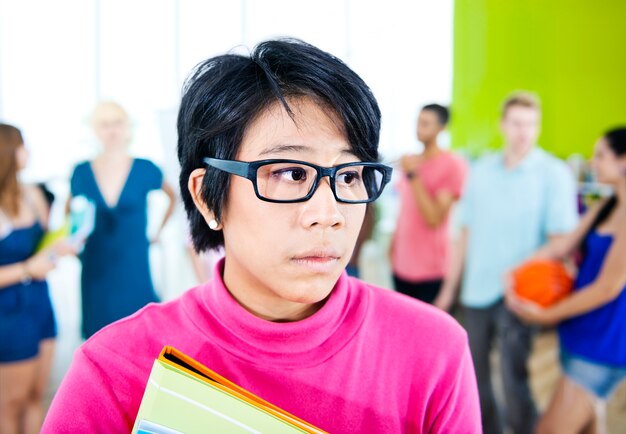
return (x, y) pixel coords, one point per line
(27, 325)
(592, 325)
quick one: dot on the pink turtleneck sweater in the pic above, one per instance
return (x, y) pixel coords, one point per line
(369, 361)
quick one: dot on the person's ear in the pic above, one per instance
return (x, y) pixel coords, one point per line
(194, 184)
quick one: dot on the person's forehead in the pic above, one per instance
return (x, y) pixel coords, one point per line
(602, 144)
(276, 128)
(518, 110)
(428, 115)
(110, 116)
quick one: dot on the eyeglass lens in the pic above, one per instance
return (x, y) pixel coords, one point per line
(292, 181)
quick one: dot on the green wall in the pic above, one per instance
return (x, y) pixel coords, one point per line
(571, 53)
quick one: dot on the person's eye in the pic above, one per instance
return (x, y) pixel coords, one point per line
(349, 178)
(294, 174)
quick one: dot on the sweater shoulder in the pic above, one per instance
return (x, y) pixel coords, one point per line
(394, 311)
(140, 337)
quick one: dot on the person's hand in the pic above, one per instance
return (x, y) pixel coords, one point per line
(62, 248)
(156, 239)
(38, 265)
(410, 163)
(509, 281)
(528, 311)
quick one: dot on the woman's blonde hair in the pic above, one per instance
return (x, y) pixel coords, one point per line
(106, 110)
(10, 140)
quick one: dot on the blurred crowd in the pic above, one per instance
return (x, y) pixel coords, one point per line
(463, 229)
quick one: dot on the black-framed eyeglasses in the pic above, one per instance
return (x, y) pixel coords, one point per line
(290, 181)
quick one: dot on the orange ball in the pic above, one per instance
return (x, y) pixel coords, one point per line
(542, 281)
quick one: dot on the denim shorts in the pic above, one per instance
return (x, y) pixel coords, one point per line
(598, 379)
(26, 318)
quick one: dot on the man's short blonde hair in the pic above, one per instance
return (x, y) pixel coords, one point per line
(521, 99)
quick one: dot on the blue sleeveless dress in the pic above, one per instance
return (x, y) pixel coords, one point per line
(26, 315)
(115, 277)
(599, 335)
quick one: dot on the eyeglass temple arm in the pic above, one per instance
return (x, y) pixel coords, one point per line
(387, 172)
(239, 168)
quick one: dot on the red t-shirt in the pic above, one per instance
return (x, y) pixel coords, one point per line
(420, 253)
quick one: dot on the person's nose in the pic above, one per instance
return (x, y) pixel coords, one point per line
(322, 210)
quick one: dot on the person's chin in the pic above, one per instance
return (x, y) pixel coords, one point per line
(312, 286)
(309, 295)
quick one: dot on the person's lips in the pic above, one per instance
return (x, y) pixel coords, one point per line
(318, 260)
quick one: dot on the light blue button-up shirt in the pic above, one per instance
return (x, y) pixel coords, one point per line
(509, 214)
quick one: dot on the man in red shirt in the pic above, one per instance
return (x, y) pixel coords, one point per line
(431, 182)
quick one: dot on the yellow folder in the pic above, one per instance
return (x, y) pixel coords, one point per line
(184, 396)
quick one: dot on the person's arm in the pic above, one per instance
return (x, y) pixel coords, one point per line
(39, 264)
(561, 247)
(608, 286)
(561, 223)
(171, 195)
(447, 294)
(433, 209)
(86, 402)
(67, 205)
(34, 268)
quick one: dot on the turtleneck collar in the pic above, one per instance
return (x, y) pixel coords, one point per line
(307, 342)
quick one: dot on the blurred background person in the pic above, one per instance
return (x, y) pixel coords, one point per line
(430, 183)
(115, 276)
(516, 200)
(27, 323)
(202, 263)
(367, 229)
(592, 329)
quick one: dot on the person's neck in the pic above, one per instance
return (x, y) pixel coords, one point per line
(431, 149)
(264, 304)
(114, 154)
(281, 311)
(514, 156)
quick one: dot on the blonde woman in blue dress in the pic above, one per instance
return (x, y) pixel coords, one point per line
(115, 277)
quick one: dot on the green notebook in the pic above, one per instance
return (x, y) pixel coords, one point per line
(77, 226)
(183, 396)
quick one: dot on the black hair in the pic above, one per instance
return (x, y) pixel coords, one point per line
(616, 139)
(443, 114)
(224, 94)
(48, 195)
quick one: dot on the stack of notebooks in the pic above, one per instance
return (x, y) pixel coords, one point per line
(183, 396)
(76, 228)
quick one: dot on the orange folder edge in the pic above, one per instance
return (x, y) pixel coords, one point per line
(233, 389)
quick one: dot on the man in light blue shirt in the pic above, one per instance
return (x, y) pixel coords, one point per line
(515, 201)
